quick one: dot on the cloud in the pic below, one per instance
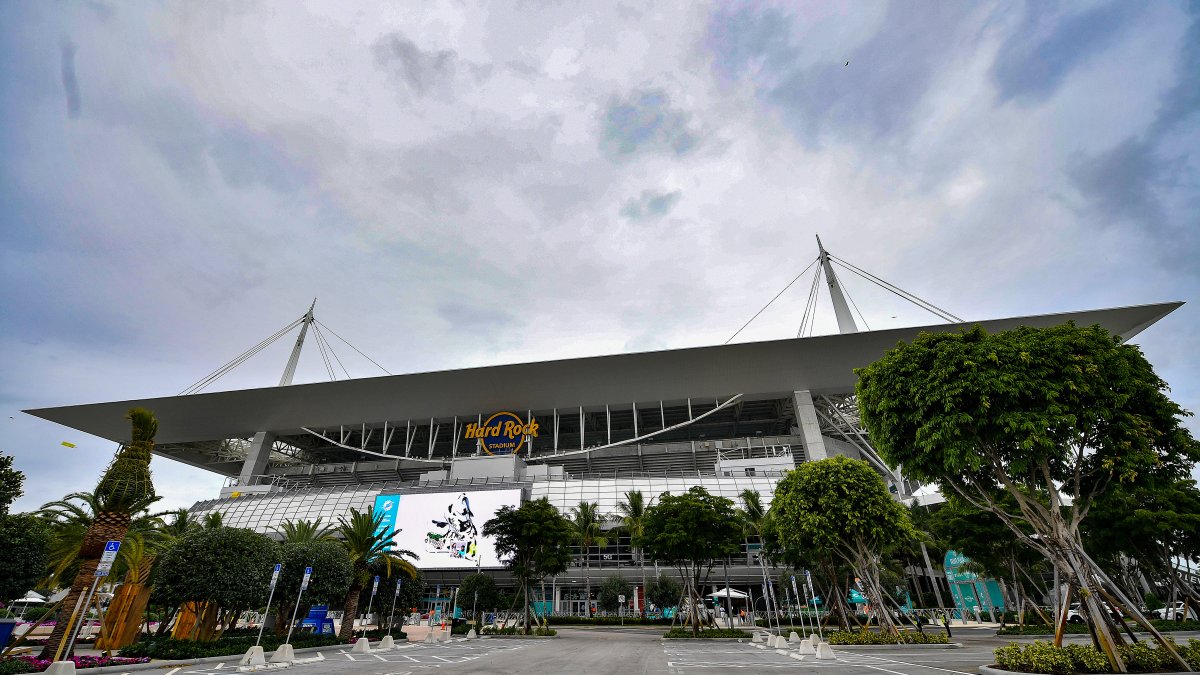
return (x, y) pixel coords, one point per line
(450, 180)
(1037, 58)
(421, 70)
(651, 205)
(646, 121)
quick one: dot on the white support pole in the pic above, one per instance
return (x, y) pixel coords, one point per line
(662, 414)
(408, 441)
(454, 439)
(556, 431)
(635, 431)
(581, 445)
(689, 409)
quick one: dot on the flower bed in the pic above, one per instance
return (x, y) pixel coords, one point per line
(1044, 657)
(870, 638)
(29, 664)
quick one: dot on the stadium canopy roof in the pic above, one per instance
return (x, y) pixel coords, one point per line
(821, 364)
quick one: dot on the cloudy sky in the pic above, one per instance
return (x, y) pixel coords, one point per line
(464, 185)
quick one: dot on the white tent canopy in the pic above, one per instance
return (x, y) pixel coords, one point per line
(733, 593)
(31, 598)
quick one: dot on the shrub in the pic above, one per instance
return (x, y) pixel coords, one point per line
(1043, 657)
(1039, 657)
(12, 666)
(169, 649)
(1144, 658)
(709, 634)
(607, 621)
(871, 638)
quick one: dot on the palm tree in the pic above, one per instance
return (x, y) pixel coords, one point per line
(588, 522)
(125, 489)
(754, 521)
(365, 543)
(304, 531)
(633, 522)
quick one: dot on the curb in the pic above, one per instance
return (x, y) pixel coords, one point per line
(157, 665)
(949, 645)
(993, 670)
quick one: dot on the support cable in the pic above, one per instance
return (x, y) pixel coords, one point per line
(846, 292)
(324, 355)
(238, 360)
(332, 353)
(789, 285)
(923, 304)
(809, 317)
(353, 347)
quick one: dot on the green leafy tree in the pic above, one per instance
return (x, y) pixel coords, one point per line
(632, 513)
(1145, 525)
(364, 542)
(755, 523)
(11, 481)
(692, 531)
(226, 566)
(589, 532)
(330, 578)
(477, 592)
(125, 488)
(1040, 414)
(842, 506)
(608, 596)
(534, 540)
(24, 539)
(663, 592)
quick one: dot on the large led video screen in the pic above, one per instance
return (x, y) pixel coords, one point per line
(445, 528)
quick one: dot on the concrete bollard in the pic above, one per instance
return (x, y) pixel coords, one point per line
(825, 652)
(806, 648)
(757, 637)
(61, 668)
(254, 657)
(388, 642)
(361, 646)
(780, 642)
(428, 638)
(793, 638)
(285, 654)
(471, 635)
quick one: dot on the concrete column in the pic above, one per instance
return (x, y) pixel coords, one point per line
(810, 426)
(257, 457)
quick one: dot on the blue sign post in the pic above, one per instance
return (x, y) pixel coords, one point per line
(370, 603)
(303, 587)
(270, 596)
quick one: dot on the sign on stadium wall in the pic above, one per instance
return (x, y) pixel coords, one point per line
(445, 528)
(503, 433)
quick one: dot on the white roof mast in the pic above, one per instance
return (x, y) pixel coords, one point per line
(840, 309)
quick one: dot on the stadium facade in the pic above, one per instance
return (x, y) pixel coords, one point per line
(435, 451)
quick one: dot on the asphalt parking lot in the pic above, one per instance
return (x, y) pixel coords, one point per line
(577, 651)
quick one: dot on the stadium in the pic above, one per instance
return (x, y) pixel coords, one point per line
(440, 452)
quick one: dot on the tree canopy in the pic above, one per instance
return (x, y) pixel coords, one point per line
(611, 589)
(692, 531)
(534, 540)
(843, 507)
(11, 481)
(228, 566)
(1038, 413)
(24, 539)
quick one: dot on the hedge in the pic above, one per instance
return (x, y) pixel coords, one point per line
(1044, 657)
(871, 638)
(684, 633)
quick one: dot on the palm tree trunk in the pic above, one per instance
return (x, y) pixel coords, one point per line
(349, 611)
(105, 527)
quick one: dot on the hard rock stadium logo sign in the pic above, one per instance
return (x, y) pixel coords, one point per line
(503, 433)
